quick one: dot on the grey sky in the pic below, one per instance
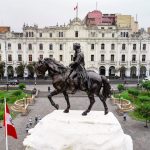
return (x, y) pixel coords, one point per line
(15, 13)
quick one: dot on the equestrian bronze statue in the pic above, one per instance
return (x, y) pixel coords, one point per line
(68, 80)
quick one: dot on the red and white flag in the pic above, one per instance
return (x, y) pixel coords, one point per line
(9, 126)
(75, 8)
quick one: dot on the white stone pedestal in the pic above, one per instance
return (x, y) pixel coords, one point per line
(72, 131)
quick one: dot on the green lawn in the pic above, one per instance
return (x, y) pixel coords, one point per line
(134, 100)
(11, 96)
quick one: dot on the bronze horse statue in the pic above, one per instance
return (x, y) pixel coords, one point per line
(59, 73)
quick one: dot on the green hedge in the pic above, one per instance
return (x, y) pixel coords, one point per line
(133, 91)
(144, 98)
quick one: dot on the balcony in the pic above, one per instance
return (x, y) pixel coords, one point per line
(143, 62)
(123, 63)
(102, 62)
(19, 62)
(113, 62)
(10, 63)
(133, 62)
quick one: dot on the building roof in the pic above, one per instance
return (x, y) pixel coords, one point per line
(4, 29)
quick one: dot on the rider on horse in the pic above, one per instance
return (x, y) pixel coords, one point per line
(77, 68)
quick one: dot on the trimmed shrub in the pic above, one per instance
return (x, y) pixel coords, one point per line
(133, 91)
(144, 98)
(120, 87)
(145, 93)
(17, 93)
(146, 85)
(22, 86)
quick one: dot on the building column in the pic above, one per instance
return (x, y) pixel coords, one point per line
(107, 71)
(128, 72)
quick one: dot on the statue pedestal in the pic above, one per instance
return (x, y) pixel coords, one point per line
(72, 131)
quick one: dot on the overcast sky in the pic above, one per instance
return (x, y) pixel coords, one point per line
(15, 13)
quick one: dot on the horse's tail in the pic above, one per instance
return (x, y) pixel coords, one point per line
(106, 87)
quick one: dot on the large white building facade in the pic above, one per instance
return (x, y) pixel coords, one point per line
(109, 49)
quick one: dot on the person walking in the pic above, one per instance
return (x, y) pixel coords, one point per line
(124, 116)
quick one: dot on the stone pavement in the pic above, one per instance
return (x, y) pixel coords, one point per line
(42, 107)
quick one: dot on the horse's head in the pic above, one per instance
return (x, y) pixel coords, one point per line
(54, 67)
(40, 67)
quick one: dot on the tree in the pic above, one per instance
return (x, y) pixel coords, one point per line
(31, 70)
(2, 69)
(120, 87)
(146, 85)
(144, 111)
(20, 70)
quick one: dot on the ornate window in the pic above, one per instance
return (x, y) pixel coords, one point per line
(112, 58)
(61, 34)
(30, 58)
(92, 46)
(30, 46)
(41, 46)
(9, 57)
(134, 46)
(19, 57)
(123, 58)
(60, 57)
(9, 46)
(123, 46)
(76, 33)
(112, 46)
(40, 34)
(50, 35)
(143, 58)
(19, 46)
(92, 57)
(103, 46)
(50, 46)
(133, 58)
(61, 47)
(144, 46)
(102, 58)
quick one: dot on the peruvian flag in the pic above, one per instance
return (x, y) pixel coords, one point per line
(9, 126)
(75, 8)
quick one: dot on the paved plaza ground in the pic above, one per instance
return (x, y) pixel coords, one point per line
(42, 107)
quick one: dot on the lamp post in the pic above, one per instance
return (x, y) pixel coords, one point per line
(140, 39)
(35, 79)
(6, 63)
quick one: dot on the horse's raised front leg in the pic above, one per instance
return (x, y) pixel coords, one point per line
(92, 101)
(68, 103)
(55, 92)
(103, 99)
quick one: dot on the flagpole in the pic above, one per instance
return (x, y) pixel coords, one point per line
(6, 126)
(77, 11)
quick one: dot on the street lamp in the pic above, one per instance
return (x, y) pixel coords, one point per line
(6, 63)
(35, 79)
(140, 39)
